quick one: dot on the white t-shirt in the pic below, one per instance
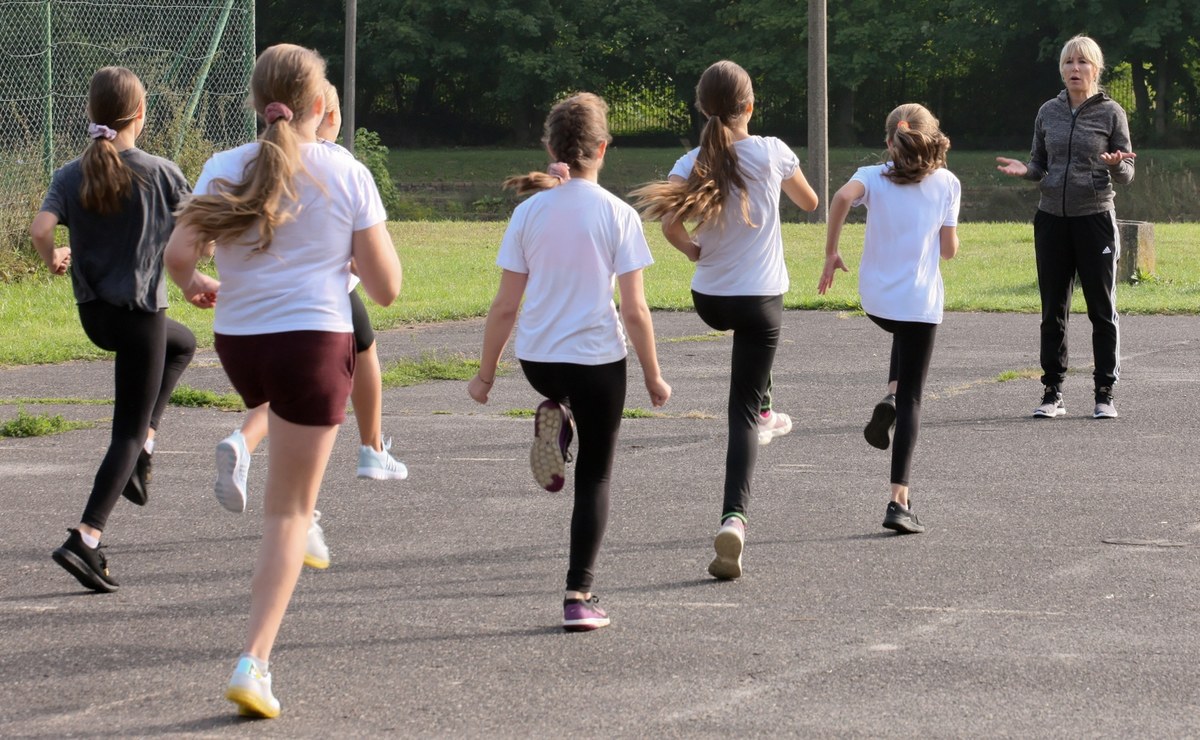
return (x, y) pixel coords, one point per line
(572, 241)
(900, 277)
(336, 147)
(736, 259)
(301, 281)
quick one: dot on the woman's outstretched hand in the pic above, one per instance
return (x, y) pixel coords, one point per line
(1012, 167)
(1115, 158)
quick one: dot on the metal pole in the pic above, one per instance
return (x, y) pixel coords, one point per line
(818, 109)
(48, 75)
(201, 78)
(348, 79)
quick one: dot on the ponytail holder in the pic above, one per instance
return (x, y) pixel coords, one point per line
(100, 131)
(901, 124)
(276, 111)
(561, 170)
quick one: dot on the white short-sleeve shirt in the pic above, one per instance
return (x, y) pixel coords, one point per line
(737, 259)
(300, 282)
(900, 277)
(572, 241)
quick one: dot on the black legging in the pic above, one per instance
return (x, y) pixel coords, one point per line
(912, 349)
(152, 351)
(755, 321)
(596, 396)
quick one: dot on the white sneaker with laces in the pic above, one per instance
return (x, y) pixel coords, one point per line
(233, 469)
(773, 425)
(379, 464)
(729, 543)
(250, 689)
(316, 553)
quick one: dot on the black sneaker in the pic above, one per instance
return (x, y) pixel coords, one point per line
(902, 519)
(1104, 404)
(137, 489)
(1052, 404)
(87, 564)
(879, 429)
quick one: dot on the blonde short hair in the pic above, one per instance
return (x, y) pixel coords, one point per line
(1087, 48)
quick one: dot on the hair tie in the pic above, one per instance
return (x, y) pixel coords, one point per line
(901, 124)
(100, 131)
(275, 111)
(561, 170)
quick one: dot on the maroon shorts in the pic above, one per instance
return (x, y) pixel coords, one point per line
(304, 375)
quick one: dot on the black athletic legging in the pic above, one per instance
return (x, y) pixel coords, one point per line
(152, 351)
(596, 396)
(912, 349)
(755, 321)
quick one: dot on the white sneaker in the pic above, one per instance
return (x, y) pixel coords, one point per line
(729, 543)
(233, 468)
(773, 425)
(316, 553)
(380, 465)
(250, 689)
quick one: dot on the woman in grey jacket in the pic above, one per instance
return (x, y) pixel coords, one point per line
(1080, 148)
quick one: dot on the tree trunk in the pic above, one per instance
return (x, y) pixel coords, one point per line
(1162, 97)
(1141, 96)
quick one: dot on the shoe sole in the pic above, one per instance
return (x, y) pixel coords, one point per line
(74, 565)
(1043, 415)
(378, 474)
(903, 526)
(879, 428)
(546, 460)
(135, 489)
(313, 561)
(727, 565)
(250, 704)
(228, 494)
(1113, 415)
(585, 625)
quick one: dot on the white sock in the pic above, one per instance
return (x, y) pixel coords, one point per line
(90, 541)
(149, 446)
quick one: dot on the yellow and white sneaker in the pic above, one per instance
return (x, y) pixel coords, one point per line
(250, 689)
(316, 553)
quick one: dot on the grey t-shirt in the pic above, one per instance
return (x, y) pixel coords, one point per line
(118, 257)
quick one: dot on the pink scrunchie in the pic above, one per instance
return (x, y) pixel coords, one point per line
(275, 111)
(100, 131)
(561, 170)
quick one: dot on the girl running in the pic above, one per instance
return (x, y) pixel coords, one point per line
(117, 203)
(912, 215)
(730, 187)
(366, 396)
(565, 250)
(288, 215)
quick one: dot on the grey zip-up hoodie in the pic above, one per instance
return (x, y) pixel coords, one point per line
(1065, 159)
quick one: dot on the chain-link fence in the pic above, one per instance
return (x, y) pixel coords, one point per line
(193, 56)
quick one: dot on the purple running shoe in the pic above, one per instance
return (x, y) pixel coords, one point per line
(582, 616)
(553, 429)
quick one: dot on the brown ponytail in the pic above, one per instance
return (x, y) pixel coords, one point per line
(115, 95)
(574, 131)
(286, 77)
(918, 146)
(723, 94)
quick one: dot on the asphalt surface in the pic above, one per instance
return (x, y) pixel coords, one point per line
(1054, 594)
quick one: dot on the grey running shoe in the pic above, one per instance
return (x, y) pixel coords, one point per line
(880, 428)
(1104, 404)
(1052, 404)
(902, 519)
